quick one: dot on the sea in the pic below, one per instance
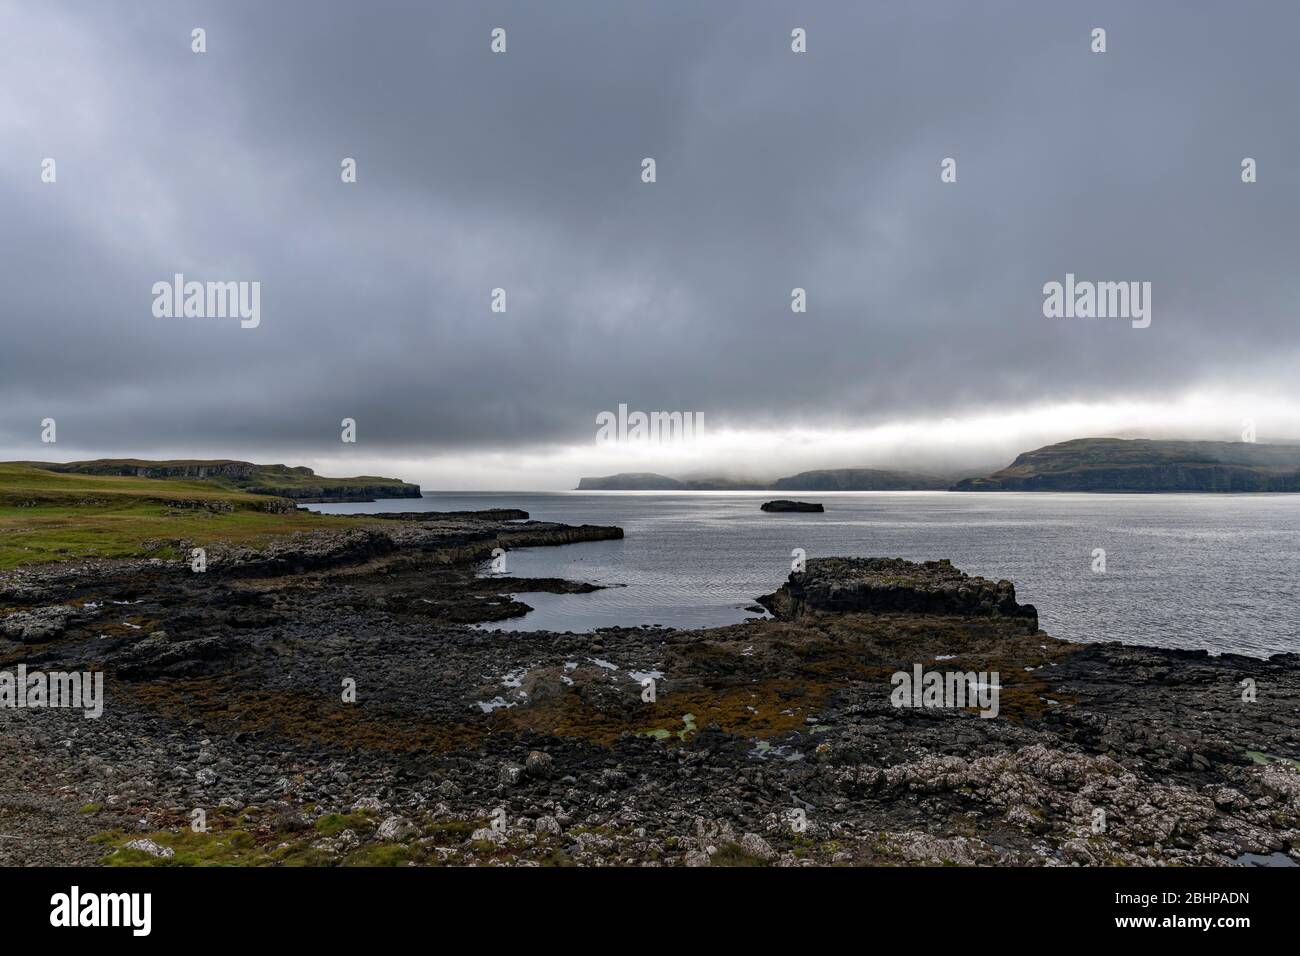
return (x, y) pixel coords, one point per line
(1216, 572)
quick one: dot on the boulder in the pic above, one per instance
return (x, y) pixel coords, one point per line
(396, 828)
(539, 765)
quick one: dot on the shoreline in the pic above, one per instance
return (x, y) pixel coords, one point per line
(223, 693)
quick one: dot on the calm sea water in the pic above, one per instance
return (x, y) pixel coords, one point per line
(1218, 572)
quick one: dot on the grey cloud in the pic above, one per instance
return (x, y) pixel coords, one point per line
(521, 171)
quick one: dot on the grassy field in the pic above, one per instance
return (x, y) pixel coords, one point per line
(48, 516)
(285, 480)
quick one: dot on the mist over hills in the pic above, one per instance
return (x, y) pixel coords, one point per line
(1081, 464)
(832, 479)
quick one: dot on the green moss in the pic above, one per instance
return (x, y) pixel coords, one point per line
(90, 808)
(381, 854)
(303, 856)
(660, 733)
(332, 824)
(447, 832)
(1259, 757)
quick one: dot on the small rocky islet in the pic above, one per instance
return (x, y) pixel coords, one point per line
(784, 504)
(772, 742)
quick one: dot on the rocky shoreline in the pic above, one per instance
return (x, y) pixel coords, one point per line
(769, 742)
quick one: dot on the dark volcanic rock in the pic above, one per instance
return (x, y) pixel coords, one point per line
(892, 585)
(630, 746)
(39, 624)
(784, 504)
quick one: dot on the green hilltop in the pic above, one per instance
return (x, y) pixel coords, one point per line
(133, 508)
(298, 483)
(1147, 465)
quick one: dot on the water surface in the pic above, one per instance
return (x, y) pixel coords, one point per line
(1202, 571)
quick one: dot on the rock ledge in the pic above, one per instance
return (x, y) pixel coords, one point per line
(893, 585)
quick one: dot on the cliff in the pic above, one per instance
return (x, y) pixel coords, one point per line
(860, 479)
(283, 481)
(1141, 465)
(631, 481)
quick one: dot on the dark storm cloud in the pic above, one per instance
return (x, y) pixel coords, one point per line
(522, 171)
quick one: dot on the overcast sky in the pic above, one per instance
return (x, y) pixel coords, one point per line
(924, 342)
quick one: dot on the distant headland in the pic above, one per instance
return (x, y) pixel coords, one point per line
(1121, 465)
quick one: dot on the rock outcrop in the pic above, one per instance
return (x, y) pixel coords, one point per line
(894, 586)
(39, 624)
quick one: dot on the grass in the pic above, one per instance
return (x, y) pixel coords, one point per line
(332, 824)
(227, 848)
(732, 854)
(292, 482)
(28, 484)
(380, 854)
(49, 516)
